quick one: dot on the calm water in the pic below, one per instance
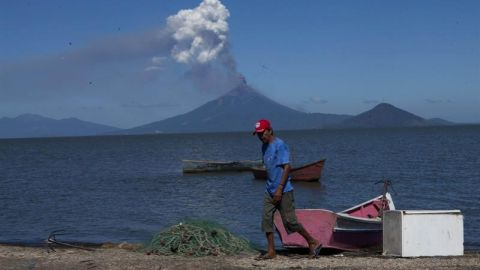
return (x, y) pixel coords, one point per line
(126, 188)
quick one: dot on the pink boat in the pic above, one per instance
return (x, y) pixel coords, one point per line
(359, 227)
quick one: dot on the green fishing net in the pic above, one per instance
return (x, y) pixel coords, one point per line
(197, 238)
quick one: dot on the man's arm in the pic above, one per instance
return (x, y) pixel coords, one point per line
(279, 191)
(286, 172)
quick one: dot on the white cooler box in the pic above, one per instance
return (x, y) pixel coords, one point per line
(413, 233)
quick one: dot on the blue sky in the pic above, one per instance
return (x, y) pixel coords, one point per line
(111, 62)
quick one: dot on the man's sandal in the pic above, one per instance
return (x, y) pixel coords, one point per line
(315, 251)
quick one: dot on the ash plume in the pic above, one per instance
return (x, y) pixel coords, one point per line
(201, 33)
(201, 36)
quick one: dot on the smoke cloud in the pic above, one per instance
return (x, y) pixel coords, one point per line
(200, 33)
(201, 36)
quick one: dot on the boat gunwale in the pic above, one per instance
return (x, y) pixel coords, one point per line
(387, 195)
(363, 219)
(339, 229)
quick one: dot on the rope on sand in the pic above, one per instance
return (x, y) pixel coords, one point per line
(197, 238)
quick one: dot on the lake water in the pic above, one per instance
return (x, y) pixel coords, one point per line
(126, 188)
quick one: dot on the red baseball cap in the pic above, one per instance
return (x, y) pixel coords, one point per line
(262, 125)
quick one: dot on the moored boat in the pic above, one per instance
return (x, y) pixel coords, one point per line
(200, 166)
(309, 172)
(359, 227)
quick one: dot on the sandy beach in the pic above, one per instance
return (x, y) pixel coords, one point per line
(122, 257)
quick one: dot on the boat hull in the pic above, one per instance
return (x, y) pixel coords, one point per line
(201, 166)
(308, 173)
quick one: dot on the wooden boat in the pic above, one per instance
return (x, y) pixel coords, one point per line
(359, 227)
(309, 173)
(200, 166)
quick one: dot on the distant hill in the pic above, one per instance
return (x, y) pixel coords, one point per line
(238, 110)
(385, 115)
(32, 125)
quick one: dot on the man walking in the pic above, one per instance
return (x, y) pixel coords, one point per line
(279, 190)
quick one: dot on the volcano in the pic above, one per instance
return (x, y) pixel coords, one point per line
(238, 110)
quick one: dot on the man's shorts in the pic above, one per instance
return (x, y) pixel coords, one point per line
(286, 208)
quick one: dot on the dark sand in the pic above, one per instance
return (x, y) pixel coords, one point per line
(122, 257)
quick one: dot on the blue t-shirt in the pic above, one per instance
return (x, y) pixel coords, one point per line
(276, 154)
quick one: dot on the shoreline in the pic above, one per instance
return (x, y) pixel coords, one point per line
(122, 256)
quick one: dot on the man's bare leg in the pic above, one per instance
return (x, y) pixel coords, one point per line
(271, 245)
(270, 248)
